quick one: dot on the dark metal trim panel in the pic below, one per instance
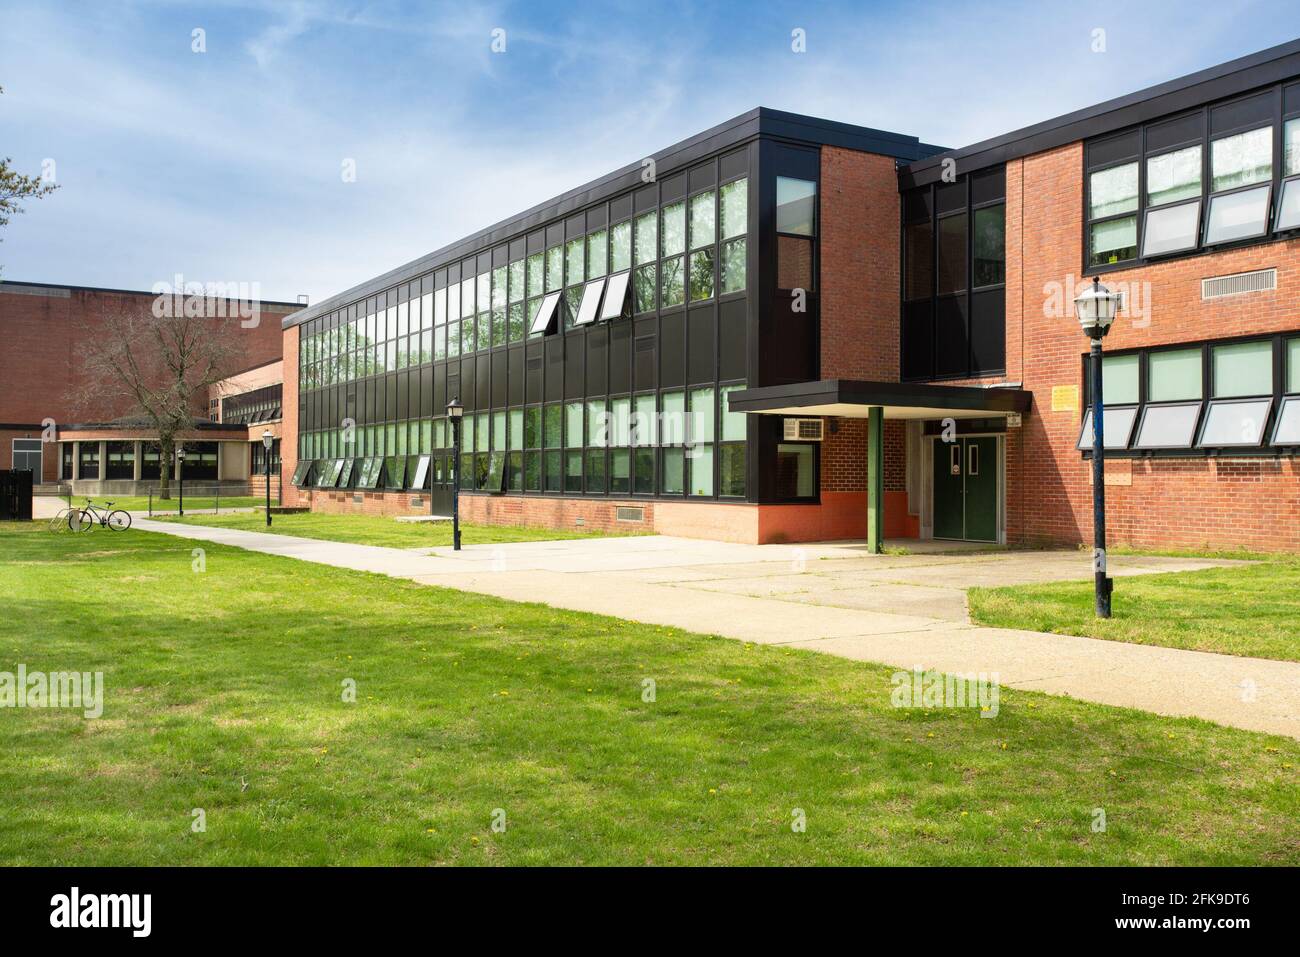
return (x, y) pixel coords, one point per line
(732, 133)
(1246, 73)
(899, 394)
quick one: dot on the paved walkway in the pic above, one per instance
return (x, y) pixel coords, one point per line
(901, 610)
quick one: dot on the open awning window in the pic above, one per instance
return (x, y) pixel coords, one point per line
(615, 296)
(545, 314)
(1287, 430)
(1168, 426)
(420, 470)
(590, 302)
(1118, 421)
(301, 472)
(1235, 422)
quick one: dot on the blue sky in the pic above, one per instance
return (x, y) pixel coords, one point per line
(226, 165)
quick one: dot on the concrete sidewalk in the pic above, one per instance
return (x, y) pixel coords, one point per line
(900, 610)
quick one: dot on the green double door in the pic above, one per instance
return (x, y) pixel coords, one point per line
(966, 489)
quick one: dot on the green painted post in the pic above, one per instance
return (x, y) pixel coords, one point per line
(876, 480)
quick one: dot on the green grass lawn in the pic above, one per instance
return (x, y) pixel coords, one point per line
(1251, 610)
(224, 694)
(378, 530)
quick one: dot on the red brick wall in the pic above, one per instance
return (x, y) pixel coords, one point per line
(40, 370)
(49, 460)
(1242, 502)
(859, 340)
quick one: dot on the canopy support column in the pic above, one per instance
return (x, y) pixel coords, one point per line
(876, 480)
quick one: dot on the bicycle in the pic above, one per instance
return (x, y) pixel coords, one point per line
(85, 519)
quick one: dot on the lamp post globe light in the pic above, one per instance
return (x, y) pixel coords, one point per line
(1096, 309)
(454, 413)
(180, 478)
(267, 440)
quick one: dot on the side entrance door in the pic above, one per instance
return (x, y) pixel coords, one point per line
(966, 489)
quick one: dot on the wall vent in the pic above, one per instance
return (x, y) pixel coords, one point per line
(629, 513)
(1236, 284)
(802, 430)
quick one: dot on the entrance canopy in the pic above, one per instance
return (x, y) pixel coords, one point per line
(853, 399)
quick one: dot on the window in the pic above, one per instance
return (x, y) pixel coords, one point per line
(795, 474)
(545, 314)
(701, 284)
(647, 241)
(673, 235)
(796, 220)
(1292, 360)
(573, 261)
(952, 254)
(990, 246)
(620, 247)
(1288, 210)
(703, 223)
(1242, 369)
(733, 264)
(1174, 176)
(597, 254)
(953, 321)
(1117, 427)
(734, 201)
(554, 268)
(590, 302)
(1174, 375)
(645, 283)
(796, 205)
(1287, 429)
(1239, 215)
(672, 289)
(1119, 380)
(615, 296)
(1235, 422)
(1171, 229)
(1168, 426)
(1241, 159)
(1112, 205)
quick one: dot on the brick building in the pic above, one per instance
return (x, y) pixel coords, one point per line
(48, 424)
(791, 329)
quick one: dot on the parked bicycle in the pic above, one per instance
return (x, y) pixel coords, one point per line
(86, 518)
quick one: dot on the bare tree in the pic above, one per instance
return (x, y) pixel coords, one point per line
(154, 360)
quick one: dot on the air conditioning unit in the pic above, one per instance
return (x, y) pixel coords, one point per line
(803, 430)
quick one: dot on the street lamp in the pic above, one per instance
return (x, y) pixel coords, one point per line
(454, 412)
(1096, 311)
(267, 439)
(180, 477)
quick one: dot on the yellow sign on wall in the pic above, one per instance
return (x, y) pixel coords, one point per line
(1065, 398)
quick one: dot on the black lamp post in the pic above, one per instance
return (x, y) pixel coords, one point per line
(267, 440)
(454, 413)
(1096, 311)
(180, 478)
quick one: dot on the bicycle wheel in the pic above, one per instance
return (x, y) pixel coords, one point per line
(80, 520)
(119, 521)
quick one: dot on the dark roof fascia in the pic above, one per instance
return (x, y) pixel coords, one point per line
(59, 286)
(899, 394)
(1219, 82)
(199, 425)
(760, 121)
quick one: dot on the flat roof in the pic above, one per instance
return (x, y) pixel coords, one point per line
(50, 288)
(853, 399)
(1228, 79)
(760, 121)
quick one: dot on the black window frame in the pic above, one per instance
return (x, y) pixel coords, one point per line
(1207, 135)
